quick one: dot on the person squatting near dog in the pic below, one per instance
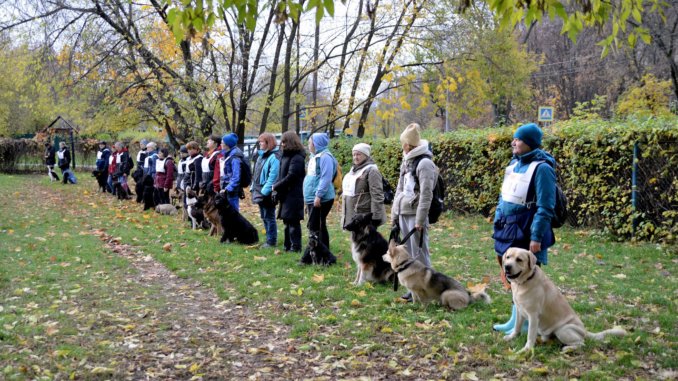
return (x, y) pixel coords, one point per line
(227, 174)
(64, 164)
(164, 176)
(414, 194)
(265, 174)
(288, 190)
(526, 205)
(319, 190)
(50, 161)
(363, 190)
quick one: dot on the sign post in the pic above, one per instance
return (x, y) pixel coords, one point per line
(545, 114)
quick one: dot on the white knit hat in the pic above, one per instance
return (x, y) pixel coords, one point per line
(363, 148)
(411, 135)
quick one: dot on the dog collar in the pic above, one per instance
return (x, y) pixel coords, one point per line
(534, 272)
(395, 276)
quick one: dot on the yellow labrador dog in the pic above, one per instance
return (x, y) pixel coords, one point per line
(428, 285)
(539, 301)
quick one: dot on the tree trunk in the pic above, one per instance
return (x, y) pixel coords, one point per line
(274, 78)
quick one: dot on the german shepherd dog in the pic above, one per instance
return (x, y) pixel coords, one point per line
(102, 178)
(428, 285)
(368, 248)
(212, 215)
(317, 253)
(235, 227)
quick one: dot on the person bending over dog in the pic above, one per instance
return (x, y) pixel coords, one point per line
(64, 163)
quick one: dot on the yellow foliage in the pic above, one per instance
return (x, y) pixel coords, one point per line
(651, 97)
(404, 104)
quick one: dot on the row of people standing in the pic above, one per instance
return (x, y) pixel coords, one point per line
(116, 164)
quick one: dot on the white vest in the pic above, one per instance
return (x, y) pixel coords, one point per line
(351, 178)
(180, 167)
(99, 155)
(160, 165)
(118, 158)
(190, 161)
(139, 155)
(205, 165)
(60, 154)
(110, 159)
(222, 166)
(515, 186)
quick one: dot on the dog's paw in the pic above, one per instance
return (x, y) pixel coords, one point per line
(510, 337)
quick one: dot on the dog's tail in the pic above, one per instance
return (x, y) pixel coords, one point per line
(477, 296)
(616, 331)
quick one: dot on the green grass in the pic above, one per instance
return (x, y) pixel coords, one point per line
(41, 281)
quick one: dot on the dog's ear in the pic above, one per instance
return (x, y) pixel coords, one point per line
(368, 216)
(532, 259)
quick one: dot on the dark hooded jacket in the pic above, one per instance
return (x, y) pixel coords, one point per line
(289, 187)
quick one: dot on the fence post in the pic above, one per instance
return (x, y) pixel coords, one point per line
(634, 187)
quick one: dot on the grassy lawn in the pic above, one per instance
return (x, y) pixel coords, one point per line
(64, 299)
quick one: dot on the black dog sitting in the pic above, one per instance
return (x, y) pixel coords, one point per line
(235, 226)
(317, 253)
(119, 191)
(102, 178)
(368, 248)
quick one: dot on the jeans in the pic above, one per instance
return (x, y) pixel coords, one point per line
(234, 200)
(268, 216)
(317, 220)
(292, 235)
(68, 176)
(109, 182)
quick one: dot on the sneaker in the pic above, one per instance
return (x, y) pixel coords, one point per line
(267, 245)
(407, 297)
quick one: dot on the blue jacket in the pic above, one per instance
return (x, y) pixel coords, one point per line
(319, 183)
(231, 177)
(544, 188)
(267, 169)
(102, 164)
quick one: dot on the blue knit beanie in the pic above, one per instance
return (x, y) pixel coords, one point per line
(230, 140)
(530, 134)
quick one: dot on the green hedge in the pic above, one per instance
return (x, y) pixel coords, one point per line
(595, 160)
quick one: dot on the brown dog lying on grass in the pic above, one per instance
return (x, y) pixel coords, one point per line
(539, 301)
(428, 285)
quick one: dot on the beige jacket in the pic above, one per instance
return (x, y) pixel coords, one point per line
(369, 195)
(412, 198)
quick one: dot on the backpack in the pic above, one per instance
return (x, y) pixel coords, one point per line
(245, 172)
(389, 194)
(437, 202)
(560, 210)
(338, 175)
(337, 179)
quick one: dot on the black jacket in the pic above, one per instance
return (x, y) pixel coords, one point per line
(289, 186)
(50, 155)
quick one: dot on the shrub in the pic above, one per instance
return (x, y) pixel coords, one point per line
(595, 161)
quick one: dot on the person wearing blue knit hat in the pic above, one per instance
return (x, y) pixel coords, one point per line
(526, 204)
(319, 190)
(227, 174)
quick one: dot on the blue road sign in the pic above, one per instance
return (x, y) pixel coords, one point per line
(545, 114)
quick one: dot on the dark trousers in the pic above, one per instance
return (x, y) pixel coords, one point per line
(292, 235)
(161, 196)
(317, 220)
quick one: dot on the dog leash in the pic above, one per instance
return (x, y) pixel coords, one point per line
(421, 244)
